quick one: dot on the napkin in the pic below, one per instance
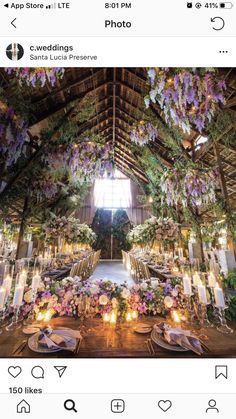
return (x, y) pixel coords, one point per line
(181, 337)
(55, 339)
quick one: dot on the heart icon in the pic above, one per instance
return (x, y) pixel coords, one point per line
(14, 371)
(164, 405)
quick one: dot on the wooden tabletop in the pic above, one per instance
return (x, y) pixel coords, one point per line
(103, 342)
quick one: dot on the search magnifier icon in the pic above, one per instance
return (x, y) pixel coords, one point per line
(70, 405)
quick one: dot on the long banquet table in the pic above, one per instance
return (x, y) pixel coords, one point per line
(99, 342)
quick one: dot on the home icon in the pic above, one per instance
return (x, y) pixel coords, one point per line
(23, 407)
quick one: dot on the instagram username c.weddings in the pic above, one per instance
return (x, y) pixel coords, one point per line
(54, 52)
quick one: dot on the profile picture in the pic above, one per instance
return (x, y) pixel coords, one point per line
(15, 51)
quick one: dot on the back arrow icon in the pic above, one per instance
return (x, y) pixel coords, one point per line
(219, 20)
(12, 22)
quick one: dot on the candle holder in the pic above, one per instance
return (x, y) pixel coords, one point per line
(215, 312)
(2, 317)
(30, 317)
(191, 316)
(204, 321)
(15, 321)
(223, 326)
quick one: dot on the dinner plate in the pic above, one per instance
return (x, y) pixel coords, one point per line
(35, 347)
(163, 344)
(142, 328)
(30, 330)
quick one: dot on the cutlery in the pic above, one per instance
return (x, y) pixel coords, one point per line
(149, 350)
(19, 348)
(77, 348)
(152, 347)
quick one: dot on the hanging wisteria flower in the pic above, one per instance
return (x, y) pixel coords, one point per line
(13, 134)
(44, 189)
(188, 97)
(191, 185)
(37, 76)
(143, 133)
(86, 160)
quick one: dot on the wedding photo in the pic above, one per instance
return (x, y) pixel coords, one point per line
(117, 212)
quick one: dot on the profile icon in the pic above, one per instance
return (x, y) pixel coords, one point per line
(212, 407)
(14, 51)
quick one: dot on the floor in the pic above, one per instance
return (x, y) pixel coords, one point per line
(113, 270)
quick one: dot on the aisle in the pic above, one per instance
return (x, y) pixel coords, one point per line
(113, 270)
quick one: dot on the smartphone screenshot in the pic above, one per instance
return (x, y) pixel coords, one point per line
(117, 209)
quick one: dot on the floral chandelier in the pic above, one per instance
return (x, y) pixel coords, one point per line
(188, 97)
(37, 76)
(143, 133)
(191, 186)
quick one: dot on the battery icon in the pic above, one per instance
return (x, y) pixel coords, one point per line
(226, 5)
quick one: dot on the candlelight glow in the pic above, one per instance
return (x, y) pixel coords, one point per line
(176, 317)
(128, 317)
(106, 317)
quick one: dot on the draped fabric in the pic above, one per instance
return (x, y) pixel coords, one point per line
(137, 215)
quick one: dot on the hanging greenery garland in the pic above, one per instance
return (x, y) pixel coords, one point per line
(189, 98)
(36, 76)
(143, 133)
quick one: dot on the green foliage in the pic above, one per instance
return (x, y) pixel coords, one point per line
(230, 280)
(231, 311)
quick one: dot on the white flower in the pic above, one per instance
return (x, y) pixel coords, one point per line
(28, 296)
(103, 300)
(174, 293)
(114, 303)
(144, 286)
(168, 301)
(125, 293)
(94, 289)
(155, 283)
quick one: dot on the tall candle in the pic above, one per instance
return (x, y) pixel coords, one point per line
(187, 285)
(219, 296)
(196, 279)
(23, 279)
(18, 296)
(7, 283)
(2, 297)
(211, 280)
(36, 282)
(202, 294)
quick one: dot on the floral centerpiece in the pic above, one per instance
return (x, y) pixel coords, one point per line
(188, 96)
(143, 133)
(161, 229)
(37, 76)
(102, 296)
(13, 134)
(190, 185)
(68, 229)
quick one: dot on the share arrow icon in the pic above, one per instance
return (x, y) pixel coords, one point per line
(60, 370)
